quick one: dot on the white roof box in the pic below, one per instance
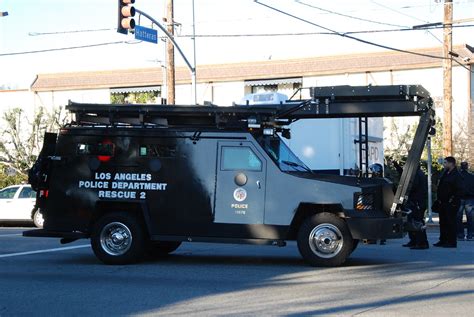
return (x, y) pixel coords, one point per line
(264, 98)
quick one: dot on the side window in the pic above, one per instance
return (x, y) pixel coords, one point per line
(158, 150)
(8, 193)
(239, 158)
(106, 149)
(27, 192)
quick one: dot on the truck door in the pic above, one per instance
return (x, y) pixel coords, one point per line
(240, 185)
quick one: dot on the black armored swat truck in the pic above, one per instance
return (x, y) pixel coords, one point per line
(144, 178)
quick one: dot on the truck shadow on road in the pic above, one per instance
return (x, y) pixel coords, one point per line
(222, 279)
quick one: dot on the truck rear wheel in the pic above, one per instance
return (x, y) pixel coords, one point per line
(118, 238)
(324, 240)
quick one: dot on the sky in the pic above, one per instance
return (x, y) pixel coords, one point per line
(53, 24)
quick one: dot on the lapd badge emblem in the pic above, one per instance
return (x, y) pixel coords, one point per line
(240, 194)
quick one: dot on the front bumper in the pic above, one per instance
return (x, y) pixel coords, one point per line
(376, 228)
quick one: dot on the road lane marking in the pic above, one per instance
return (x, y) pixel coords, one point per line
(44, 251)
(10, 235)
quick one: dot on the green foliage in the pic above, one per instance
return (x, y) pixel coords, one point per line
(22, 138)
(117, 98)
(135, 97)
(392, 174)
(7, 178)
(404, 140)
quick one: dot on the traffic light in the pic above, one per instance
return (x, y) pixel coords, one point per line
(126, 12)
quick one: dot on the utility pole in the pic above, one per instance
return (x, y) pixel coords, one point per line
(430, 193)
(193, 75)
(448, 79)
(170, 70)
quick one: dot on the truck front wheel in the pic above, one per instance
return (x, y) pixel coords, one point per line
(324, 240)
(118, 238)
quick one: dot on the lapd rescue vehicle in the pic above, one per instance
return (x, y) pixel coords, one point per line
(140, 179)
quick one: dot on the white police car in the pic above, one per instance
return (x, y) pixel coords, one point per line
(17, 204)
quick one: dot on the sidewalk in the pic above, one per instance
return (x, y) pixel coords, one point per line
(434, 223)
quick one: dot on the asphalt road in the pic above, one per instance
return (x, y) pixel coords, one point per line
(41, 277)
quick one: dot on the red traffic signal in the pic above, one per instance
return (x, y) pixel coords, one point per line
(126, 12)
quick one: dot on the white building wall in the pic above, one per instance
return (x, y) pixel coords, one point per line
(183, 93)
(16, 99)
(227, 93)
(56, 99)
(22, 99)
(221, 94)
(338, 134)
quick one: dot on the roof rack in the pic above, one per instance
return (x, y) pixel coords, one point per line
(325, 102)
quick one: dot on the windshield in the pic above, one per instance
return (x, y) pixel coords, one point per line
(282, 155)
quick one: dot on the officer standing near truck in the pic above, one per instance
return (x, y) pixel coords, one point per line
(417, 204)
(467, 204)
(450, 190)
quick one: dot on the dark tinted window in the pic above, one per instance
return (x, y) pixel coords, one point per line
(106, 149)
(27, 192)
(282, 155)
(158, 150)
(240, 158)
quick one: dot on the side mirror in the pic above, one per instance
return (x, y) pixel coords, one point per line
(286, 133)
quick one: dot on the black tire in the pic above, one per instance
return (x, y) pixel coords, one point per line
(38, 219)
(162, 248)
(334, 242)
(119, 238)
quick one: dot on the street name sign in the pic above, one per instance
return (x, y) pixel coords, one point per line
(146, 34)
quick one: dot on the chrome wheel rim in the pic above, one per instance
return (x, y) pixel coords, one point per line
(39, 220)
(326, 240)
(115, 238)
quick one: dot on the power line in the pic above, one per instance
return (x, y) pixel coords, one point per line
(312, 33)
(399, 12)
(359, 39)
(218, 36)
(64, 48)
(407, 15)
(67, 32)
(270, 34)
(347, 35)
(348, 16)
(333, 33)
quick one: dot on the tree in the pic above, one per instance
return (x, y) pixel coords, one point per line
(461, 141)
(135, 97)
(402, 139)
(22, 138)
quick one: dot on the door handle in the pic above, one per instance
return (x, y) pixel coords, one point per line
(259, 185)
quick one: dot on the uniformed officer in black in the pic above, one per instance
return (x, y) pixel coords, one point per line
(417, 204)
(467, 204)
(450, 191)
(377, 171)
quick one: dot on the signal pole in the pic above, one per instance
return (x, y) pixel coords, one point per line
(170, 70)
(447, 79)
